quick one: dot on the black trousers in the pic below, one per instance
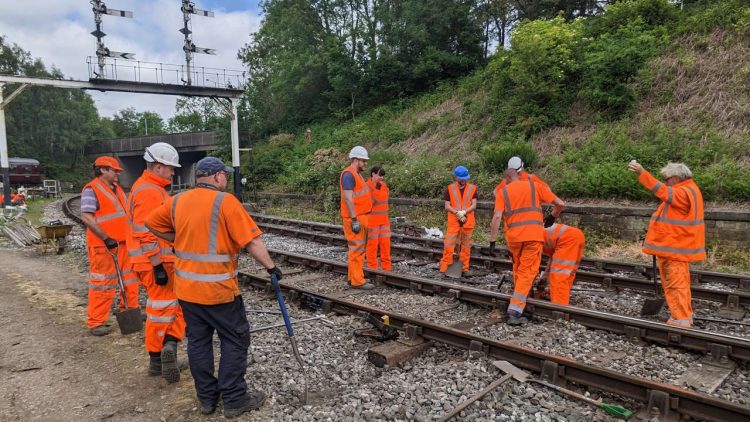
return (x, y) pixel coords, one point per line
(229, 320)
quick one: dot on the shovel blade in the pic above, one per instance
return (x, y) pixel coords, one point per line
(129, 321)
(652, 307)
(455, 270)
(518, 374)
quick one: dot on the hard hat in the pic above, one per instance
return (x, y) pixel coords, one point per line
(107, 161)
(359, 152)
(461, 173)
(515, 163)
(162, 152)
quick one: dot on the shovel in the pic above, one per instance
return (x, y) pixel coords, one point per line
(522, 376)
(289, 329)
(455, 270)
(464, 404)
(653, 306)
(129, 320)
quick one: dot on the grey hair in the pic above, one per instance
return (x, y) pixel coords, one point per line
(678, 170)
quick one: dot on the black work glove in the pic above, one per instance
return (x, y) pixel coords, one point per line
(355, 226)
(110, 243)
(160, 274)
(275, 271)
(550, 220)
(492, 248)
(377, 186)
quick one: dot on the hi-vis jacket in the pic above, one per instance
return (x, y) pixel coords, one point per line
(146, 195)
(111, 213)
(360, 194)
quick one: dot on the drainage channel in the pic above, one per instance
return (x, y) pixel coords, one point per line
(668, 399)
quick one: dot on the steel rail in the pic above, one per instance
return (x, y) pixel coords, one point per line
(69, 211)
(685, 402)
(740, 281)
(496, 264)
(635, 329)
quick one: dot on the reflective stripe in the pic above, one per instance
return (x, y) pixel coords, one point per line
(201, 257)
(214, 228)
(160, 304)
(375, 235)
(514, 307)
(669, 197)
(139, 228)
(656, 187)
(518, 296)
(96, 276)
(135, 252)
(209, 278)
(677, 222)
(110, 217)
(563, 261)
(174, 207)
(129, 281)
(379, 212)
(674, 250)
(360, 192)
(166, 251)
(695, 202)
(526, 223)
(99, 287)
(164, 319)
(685, 322)
(562, 271)
(379, 202)
(115, 201)
(520, 210)
(149, 246)
(462, 203)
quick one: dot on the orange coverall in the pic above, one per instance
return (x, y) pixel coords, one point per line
(455, 232)
(356, 241)
(379, 228)
(564, 247)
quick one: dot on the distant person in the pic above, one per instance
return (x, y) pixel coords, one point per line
(355, 207)
(107, 228)
(208, 228)
(153, 261)
(379, 227)
(676, 234)
(460, 201)
(519, 205)
(564, 246)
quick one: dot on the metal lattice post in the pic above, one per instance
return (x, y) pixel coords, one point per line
(188, 46)
(4, 164)
(236, 150)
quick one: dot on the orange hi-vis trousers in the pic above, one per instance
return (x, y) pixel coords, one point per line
(103, 283)
(675, 279)
(562, 272)
(356, 256)
(454, 235)
(163, 312)
(379, 238)
(527, 256)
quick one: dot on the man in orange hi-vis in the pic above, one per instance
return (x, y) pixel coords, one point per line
(208, 228)
(519, 203)
(356, 204)
(378, 227)
(564, 246)
(153, 262)
(107, 228)
(460, 203)
(676, 234)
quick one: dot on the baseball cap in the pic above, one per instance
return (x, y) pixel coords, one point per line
(211, 165)
(107, 161)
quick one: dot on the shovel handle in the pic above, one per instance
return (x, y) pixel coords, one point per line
(282, 305)
(119, 278)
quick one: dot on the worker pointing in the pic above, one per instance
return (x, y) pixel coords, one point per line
(676, 234)
(153, 261)
(460, 203)
(208, 228)
(379, 227)
(519, 204)
(107, 227)
(355, 206)
(564, 246)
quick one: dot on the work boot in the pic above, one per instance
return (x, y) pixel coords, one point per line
(209, 407)
(514, 318)
(154, 366)
(101, 330)
(170, 368)
(252, 401)
(366, 286)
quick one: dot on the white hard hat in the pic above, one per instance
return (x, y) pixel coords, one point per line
(515, 163)
(162, 152)
(359, 152)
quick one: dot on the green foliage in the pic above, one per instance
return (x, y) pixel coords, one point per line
(495, 157)
(649, 13)
(128, 122)
(704, 16)
(424, 176)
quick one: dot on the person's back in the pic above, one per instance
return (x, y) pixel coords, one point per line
(522, 201)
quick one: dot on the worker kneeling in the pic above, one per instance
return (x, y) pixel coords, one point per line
(676, 234)
(153, 262)
(460, 203)
(563, 245)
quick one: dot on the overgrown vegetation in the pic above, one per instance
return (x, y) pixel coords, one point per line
(577, 98)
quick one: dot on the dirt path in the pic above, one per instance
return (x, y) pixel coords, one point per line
(52, 369)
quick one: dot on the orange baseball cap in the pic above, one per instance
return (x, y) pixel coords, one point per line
(107, 161)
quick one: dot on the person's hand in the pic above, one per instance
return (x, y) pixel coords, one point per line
(160, 275)
(549, 220)
(275, 271)
(635, 167)
(110, 243)
(461, 214)
(355, 226)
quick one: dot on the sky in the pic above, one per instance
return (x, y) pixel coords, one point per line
(58, 32)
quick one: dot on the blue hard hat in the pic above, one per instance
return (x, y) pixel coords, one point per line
(461, 173)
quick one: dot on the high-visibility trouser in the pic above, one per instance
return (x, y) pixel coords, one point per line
(527, 256)
(562, 271)
(356, 243)
(455, 234)
(379, 238)
(103, 284)
(163, 312)
(675, 279)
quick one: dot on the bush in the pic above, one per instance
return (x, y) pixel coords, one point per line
(651, 13)
(495, 157)
(707, 15)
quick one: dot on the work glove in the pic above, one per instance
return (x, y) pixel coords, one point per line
(461, 214)
(275, 271)
(160, 275)
(110, 243)
(378, 185)
(355, 226)
(550, 220)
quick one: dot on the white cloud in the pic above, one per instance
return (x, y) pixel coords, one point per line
(57, 31)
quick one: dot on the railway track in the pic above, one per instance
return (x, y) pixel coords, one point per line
(671, 401)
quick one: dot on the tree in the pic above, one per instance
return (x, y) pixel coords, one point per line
(128, 122)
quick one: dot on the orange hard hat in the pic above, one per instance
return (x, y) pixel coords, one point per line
(107, 161)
